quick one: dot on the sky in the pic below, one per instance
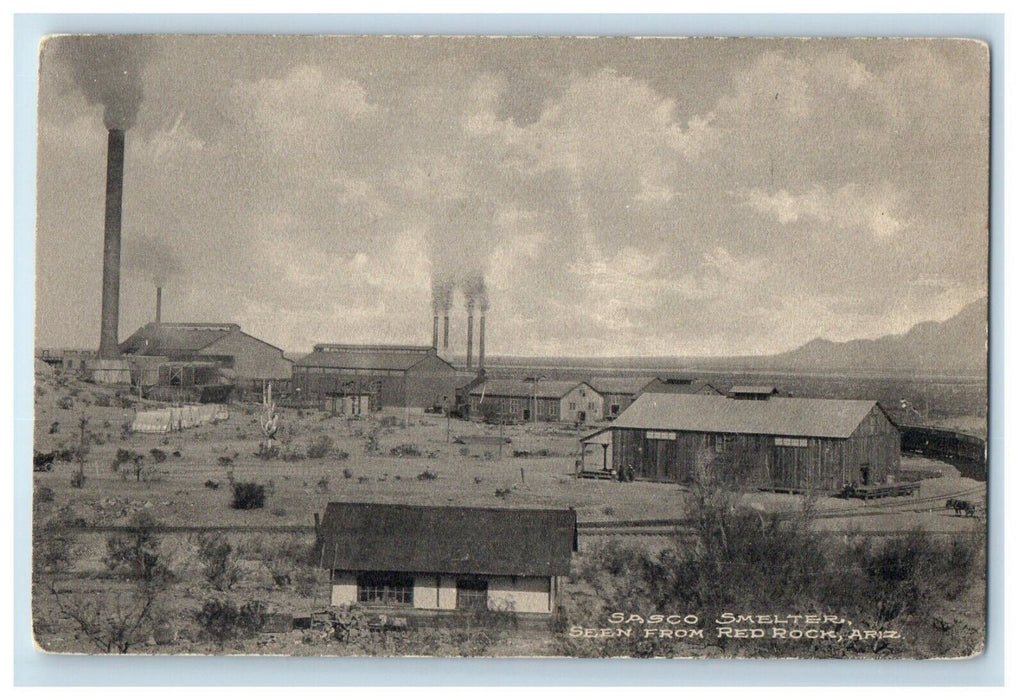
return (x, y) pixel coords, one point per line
(602, 197)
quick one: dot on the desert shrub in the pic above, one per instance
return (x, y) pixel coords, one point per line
(52, 546)
(135, 553)
(224, 460)
(219, 561)
(502, 493)
(248, 495)
(321, 447)
(426, 475)
(176, 454)
(44, 494)
(66, 403)
(292, 454)
(55, 427)
(158, 455)
(211, 484)
(363, 479)
(347, 473)
(222, 619)
(102, 400)
(406, 450)
(123, 456)
(323, 484)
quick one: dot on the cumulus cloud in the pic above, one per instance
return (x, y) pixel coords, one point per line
(648, 198)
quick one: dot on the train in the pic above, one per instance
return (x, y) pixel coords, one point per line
(967, 452)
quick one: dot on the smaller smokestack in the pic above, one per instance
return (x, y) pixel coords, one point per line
(469, 336)
(480, 363)
(434, 337)
(446, 332)
(158, 304)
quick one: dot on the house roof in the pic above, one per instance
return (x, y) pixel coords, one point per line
(448, 539)
(163, 338)
(382, 357)
(674, 385)
(754, 389)
(521, 388)
(829, 418)
(620, 385)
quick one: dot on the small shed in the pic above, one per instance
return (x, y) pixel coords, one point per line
(447, 558)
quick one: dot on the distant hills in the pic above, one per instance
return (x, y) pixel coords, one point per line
(959, 344)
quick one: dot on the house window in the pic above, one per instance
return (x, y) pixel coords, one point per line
(471, 594)
(572, 406)
(615, 409)
(384, 588)
(791, 442)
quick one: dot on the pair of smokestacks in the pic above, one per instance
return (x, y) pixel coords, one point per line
(469, 337)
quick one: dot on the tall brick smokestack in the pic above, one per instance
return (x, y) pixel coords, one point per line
(434, 336)
(445, 342)
(112, 244)
(158, 304)
(469, 334)
(480, 363)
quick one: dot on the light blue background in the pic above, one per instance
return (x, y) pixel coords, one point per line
(34, 668)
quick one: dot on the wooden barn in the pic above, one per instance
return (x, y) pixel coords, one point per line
(396, 376)
(780, 443)
(446, 558)
(519, 400)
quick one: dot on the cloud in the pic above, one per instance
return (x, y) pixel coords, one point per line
(853, 206)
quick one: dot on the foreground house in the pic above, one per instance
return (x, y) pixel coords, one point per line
(765, 442)
(445, 558)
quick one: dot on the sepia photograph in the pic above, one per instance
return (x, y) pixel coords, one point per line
(443, 346)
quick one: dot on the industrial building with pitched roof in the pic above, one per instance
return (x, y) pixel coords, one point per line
(399, 376)
(226, 345)
(445, 558)
(796, 444)
(619, 392)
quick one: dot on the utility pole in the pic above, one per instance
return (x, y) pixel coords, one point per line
(81, 449)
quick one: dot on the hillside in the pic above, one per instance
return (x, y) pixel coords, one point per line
(958, 344)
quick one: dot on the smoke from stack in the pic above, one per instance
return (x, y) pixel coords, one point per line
(109, 312)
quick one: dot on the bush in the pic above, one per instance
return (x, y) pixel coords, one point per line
(66, 403)
(248, 495)
(158, 455)
(406, 451)
(221, 619)
(347, 473)
(323, 484)
(211, 484)
(224, 460)
(322, 447)
(136, 553)
(426, 475)
(219, 560)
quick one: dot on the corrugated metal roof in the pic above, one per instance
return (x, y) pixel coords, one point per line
(162, 338)
(833, 418)
(661, 386)
(620, 385)
(446, 539)
(400, 357)
(525, 389)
